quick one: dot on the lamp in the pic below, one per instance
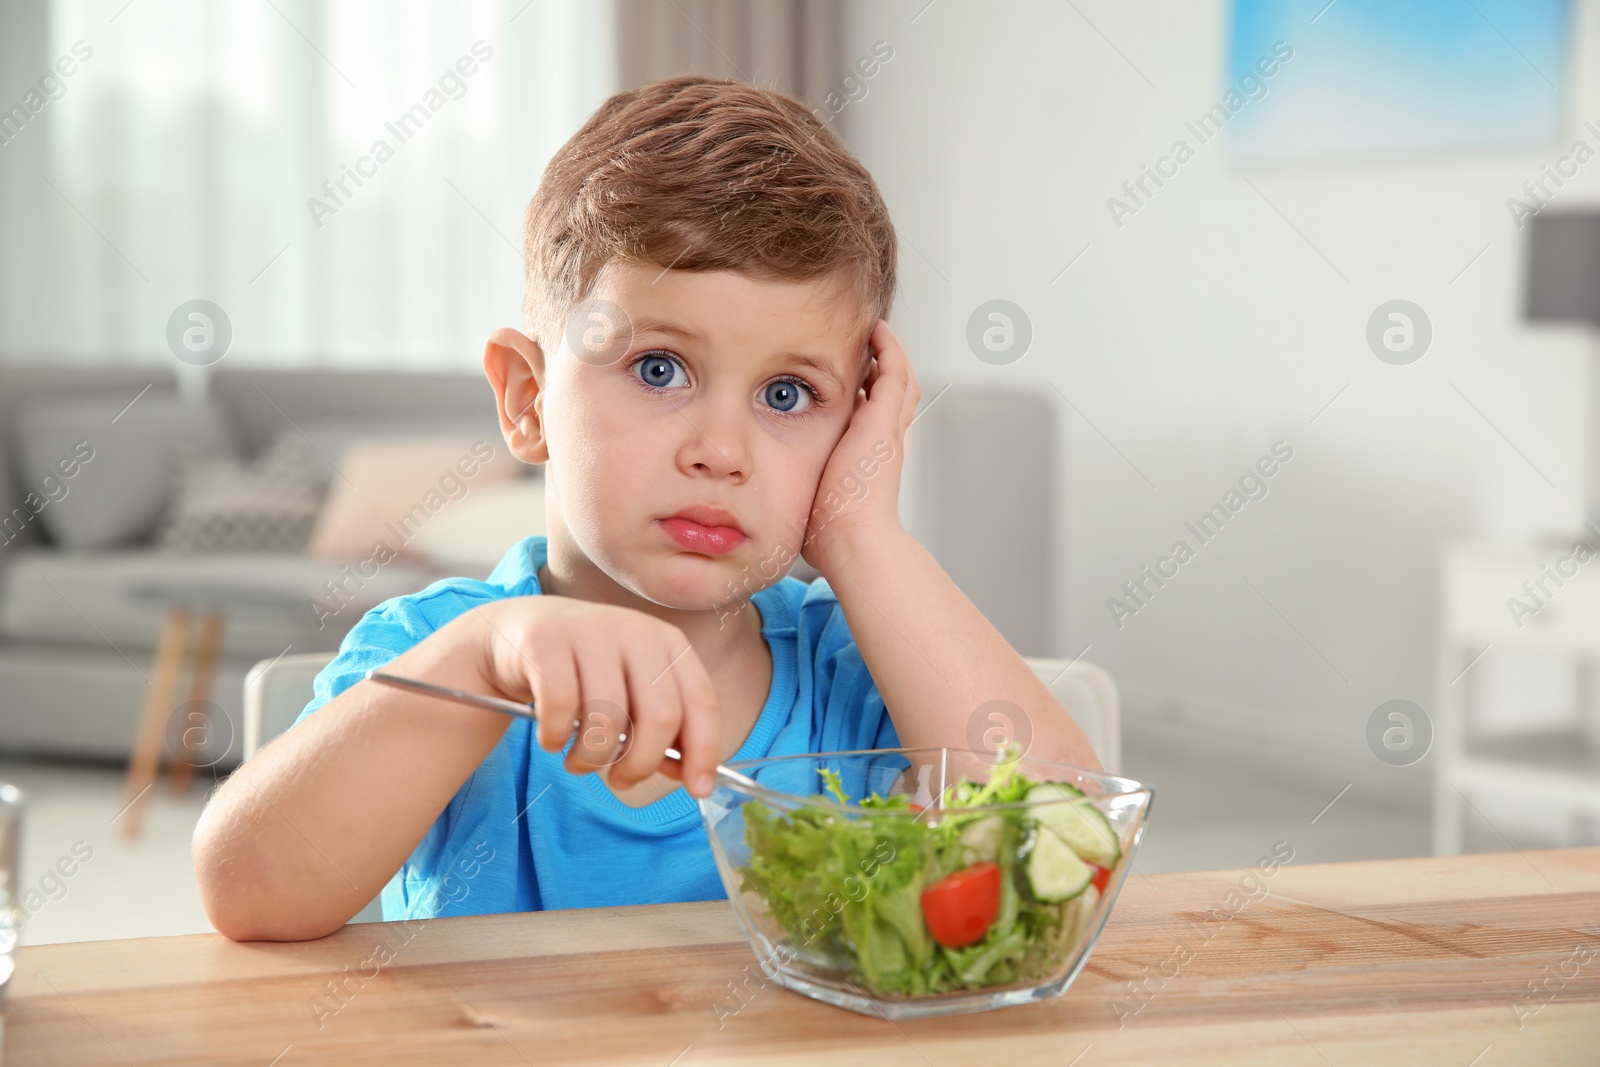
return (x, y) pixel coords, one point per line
(1563, 285)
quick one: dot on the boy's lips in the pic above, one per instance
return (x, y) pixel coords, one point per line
(707, 530)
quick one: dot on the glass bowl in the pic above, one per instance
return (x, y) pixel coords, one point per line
(855, 905)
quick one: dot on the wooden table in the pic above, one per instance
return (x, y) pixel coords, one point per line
(1425, 961)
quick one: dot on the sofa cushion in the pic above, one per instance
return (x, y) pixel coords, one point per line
(470, 537)
(122, 483)
(388, 491)
(271, 602)
(223, 505)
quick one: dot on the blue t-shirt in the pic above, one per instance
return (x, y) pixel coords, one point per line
(523, 833)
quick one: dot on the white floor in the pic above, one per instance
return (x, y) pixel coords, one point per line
(139, 888)
(1203, 818)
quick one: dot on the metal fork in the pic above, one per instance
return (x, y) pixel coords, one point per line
(518, 710)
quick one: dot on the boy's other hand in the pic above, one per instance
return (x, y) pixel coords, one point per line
(627, 682)
(860, 486)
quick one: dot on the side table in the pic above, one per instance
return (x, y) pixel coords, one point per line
(1554, 770)
(208, 606)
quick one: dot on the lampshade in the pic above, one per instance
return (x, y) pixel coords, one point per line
(1563, 276)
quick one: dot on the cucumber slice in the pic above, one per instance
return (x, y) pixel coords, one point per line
(981, 839)
(1077, 822)
(1055, 873)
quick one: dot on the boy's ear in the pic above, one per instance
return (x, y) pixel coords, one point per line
(514, 364)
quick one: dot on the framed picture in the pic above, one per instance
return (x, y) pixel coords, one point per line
(1380, 78)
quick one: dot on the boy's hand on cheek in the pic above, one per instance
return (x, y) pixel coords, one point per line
(860, 487)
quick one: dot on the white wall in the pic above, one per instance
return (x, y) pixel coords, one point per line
(1205, 329)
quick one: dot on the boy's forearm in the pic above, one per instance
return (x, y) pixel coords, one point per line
(301, 837)
(933, 655)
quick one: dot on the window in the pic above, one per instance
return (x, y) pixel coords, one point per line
(344, 178)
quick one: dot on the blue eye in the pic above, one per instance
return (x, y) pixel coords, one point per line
(658, 372)
(787, 395)
(664, 371)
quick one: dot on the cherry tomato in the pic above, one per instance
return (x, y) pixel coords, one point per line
(1101, 877)
(959, 908)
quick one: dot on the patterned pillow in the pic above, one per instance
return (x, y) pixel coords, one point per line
(268, 505)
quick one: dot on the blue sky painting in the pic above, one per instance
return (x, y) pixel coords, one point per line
(1385, 78)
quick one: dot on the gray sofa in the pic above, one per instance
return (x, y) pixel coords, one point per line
(84, 590)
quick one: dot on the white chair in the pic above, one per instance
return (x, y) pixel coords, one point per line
(275, 692)
(1087, 693)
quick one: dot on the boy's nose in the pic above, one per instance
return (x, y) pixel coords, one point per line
(714, 442)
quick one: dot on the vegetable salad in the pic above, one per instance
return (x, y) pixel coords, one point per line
(955, 900)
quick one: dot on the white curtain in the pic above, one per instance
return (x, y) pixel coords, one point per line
(187, 159)
(789, 45)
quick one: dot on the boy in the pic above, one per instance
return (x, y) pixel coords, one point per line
(711, 387)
